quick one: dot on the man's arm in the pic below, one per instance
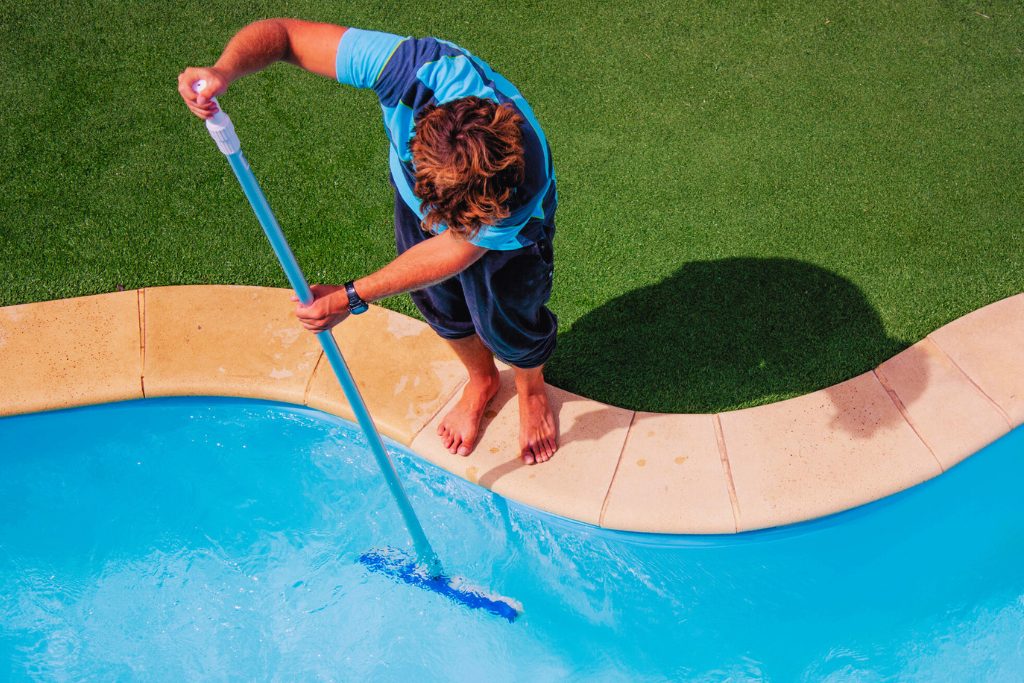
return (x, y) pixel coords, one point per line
(313, 47)
(429, 262)
(306, 44)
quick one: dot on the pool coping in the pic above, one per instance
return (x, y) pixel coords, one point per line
(906, 421)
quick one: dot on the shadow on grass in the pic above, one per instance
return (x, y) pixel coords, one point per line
(720, 335)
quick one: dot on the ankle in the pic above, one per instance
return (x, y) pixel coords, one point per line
(530, 382)
(484, 376)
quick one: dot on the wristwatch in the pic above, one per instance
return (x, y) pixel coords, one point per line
(356, 305)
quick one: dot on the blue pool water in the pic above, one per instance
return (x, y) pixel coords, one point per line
(217, 539)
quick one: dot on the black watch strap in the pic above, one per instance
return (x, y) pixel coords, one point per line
(356, 305)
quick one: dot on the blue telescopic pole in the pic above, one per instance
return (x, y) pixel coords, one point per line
(223, 132)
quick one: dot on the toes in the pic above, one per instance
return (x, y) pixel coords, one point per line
(537, 446)
(539, 449)
(441, 429)
(454, 448)
(466, 448)
(543, 448)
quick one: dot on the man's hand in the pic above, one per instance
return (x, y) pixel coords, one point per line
(329, 307)
(202, 104)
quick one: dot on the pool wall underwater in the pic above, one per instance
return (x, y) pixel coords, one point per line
(908, 420)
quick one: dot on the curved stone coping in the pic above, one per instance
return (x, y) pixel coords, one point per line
(906, 421)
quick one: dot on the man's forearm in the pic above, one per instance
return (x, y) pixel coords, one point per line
(429, 262)
(255, 47)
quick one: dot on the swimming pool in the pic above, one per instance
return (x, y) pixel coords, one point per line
(217, 538)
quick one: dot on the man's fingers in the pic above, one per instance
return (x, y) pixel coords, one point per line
(205, 99)
(311, 312)
(186, 81)
(208, 107)
(185, 89)
(313, 322)
(201, 112)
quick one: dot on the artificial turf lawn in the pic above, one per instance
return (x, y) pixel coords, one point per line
(756, 199)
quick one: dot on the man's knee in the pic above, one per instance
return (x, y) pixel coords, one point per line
(525, 351)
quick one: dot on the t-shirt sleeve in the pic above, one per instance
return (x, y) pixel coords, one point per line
(504, 235)
(362, 56)
(501, 238)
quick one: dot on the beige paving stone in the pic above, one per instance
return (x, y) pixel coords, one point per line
(226, 341)
(948, 412)
(58, 354)
(821, 453)
(572, 484)
(404, 371)
(937, 402)
(670, 478)
(988, 345)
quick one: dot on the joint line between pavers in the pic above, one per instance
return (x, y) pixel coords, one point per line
(141, 302)
(902, 410)
(618, 462)
(999, 408)
(309, 382)
(727, 469)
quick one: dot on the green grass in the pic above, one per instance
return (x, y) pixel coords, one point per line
(757, 199)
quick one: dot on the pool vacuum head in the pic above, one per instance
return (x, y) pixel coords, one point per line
(401, 567)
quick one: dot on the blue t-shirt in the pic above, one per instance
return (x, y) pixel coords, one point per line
(410, 73)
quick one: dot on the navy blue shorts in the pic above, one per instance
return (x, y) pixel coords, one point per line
(501, 297)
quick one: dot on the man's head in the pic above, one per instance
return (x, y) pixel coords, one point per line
(468, 155)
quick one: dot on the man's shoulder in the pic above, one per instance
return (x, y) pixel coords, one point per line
(412, 54)
(407, 63)
(439, 64)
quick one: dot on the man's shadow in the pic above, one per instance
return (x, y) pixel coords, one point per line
(721, 335)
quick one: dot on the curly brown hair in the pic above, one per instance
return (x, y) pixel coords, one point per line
(468, 155)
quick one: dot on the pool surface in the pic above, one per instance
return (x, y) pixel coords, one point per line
(179, 539)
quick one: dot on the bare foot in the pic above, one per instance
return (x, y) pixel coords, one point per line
(460, 427)
(538, 432)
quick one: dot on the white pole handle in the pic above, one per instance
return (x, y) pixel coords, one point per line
(219, 125)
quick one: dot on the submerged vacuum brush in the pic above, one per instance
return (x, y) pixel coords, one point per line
(425, 570)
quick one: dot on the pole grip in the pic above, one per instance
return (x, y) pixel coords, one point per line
(219, 125)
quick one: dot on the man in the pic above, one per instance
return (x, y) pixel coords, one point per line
(474, 205)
